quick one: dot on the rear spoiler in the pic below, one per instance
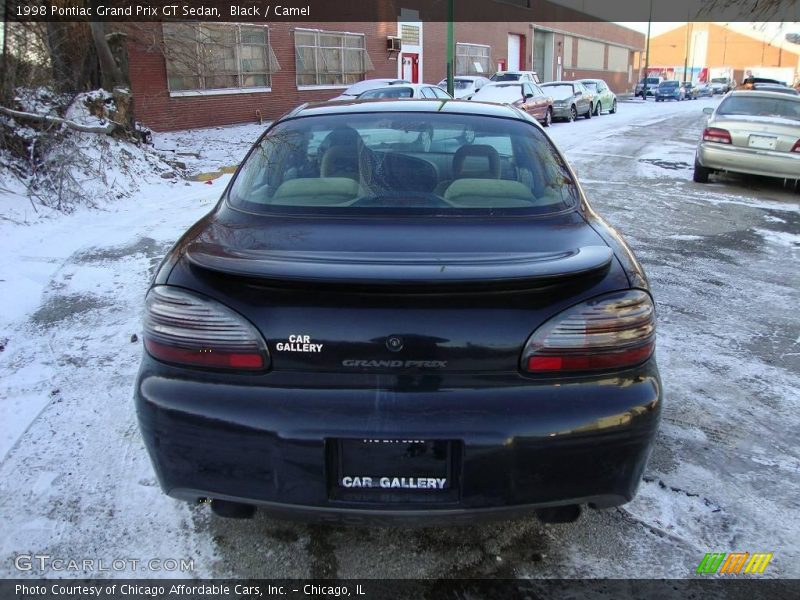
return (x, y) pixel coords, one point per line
(401, 268)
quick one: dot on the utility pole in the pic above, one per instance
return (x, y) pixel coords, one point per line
(450, 47)
(647, 51)
(686, 76)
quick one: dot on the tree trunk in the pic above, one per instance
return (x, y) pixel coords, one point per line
(110, 73)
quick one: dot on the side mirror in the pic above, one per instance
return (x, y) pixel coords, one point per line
(528, 95)
(708, 110)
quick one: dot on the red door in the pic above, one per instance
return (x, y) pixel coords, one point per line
(411, 67)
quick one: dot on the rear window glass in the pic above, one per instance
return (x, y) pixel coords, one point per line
(499, 93)
(668, 84)
(559, 92)
(404, 163)
(388, 92)
(760, 106)
(506, 77)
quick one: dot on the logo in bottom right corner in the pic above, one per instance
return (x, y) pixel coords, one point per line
(734, 563)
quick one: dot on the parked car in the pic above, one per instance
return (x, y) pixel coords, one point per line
(529, 76)
(704, 90)
(528, 97)
(722, 85)
(406, 90)
(359, 88)
(690, 90)
(647, 87)
(670, 90)
(465, 85)
(753, 132)
(604, 98)
(772, 87)
(358, 333)
(570, 99)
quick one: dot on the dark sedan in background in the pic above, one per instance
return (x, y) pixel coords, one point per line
(528, 97)
(363, 332)
(670, 90)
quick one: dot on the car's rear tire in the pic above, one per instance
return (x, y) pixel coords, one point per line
(588, 114)
(700, 173)
(613, 110)
(548, 118)
(598, 109)
(573, 113)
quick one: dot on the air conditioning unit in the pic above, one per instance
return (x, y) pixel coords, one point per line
(394, 43)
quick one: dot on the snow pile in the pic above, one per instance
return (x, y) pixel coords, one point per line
(57, 167)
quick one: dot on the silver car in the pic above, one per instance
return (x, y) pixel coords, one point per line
(571, 99)
(751, 132)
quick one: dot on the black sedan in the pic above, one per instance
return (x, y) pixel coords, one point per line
(364, 331)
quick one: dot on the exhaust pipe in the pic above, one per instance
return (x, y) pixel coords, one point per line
(232, 510)
(559, 514)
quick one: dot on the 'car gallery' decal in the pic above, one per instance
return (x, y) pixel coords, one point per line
(298, 343)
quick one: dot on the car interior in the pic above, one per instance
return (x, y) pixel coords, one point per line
(390, 168)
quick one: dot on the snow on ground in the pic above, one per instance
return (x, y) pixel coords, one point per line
(75, 478)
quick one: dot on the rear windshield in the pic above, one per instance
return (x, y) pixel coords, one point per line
(559, 92)
(506, 77)
(388, 92)
(499, 93)
(760, 106)
(668, 84)
(404, 163)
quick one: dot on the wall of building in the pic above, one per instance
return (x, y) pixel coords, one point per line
(155, 108)
(721, 47)
(160, 111)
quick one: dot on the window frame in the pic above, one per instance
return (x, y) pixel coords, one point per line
(366, 62)
(468, 45)
(237, 49)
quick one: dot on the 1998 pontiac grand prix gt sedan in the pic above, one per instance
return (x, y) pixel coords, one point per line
(370, 329)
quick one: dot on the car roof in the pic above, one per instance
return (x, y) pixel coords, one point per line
(765, 94)
(459, 107)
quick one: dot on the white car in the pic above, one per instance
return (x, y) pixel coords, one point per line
(465, 85)
(407, 90)
(355, 90)
(521, 76)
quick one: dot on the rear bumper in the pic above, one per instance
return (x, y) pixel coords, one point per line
(724, 157)
(523, 444)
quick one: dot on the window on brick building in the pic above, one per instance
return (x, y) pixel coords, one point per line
(473, 59)
(330, 58)
(206, 56)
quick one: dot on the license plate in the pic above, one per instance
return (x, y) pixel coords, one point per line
(763, 141)
(394, 465)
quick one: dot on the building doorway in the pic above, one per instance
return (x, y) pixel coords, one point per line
(516, 52)
(410, 67)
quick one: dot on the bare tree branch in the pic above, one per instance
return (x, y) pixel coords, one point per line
(18, 114)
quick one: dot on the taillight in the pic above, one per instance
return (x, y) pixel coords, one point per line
(612, 331)
(188, 329)
(796, 147)
(715, 134)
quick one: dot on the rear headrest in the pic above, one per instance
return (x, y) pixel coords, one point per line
(485, 193)
(316, 191)
(487, 158)
(340, 161)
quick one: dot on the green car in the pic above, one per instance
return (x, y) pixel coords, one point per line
(604, 98)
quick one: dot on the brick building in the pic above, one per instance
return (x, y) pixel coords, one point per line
(205, 74)
(706, 48)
